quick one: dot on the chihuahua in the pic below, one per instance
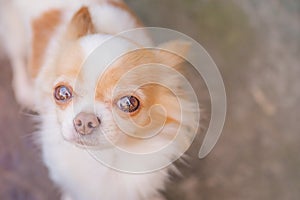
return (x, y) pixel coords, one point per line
(89, 112)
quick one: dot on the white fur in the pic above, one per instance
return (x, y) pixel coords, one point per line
(80, 175)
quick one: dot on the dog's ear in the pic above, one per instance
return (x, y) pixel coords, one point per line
(173, 53)
(81, 24)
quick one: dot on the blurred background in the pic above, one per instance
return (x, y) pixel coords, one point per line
(256, 45)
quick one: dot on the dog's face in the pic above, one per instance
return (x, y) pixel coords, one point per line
(135, 103)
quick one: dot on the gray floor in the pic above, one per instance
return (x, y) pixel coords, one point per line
(256, 45)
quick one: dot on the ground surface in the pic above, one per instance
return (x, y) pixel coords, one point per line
(257, 48)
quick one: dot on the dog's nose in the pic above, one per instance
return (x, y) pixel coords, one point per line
(86, 123)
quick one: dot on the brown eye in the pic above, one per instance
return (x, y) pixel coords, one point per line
(63, 94)
(128, 104)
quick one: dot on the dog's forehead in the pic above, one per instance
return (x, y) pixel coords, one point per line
(69, 61)
(74, 55)
(122, 75)
(104, 58)
(89, 57)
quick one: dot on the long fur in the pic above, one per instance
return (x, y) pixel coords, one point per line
(48, 42)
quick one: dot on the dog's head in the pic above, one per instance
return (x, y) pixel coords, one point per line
(136, 103)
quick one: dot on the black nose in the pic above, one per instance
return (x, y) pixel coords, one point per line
(86, 123)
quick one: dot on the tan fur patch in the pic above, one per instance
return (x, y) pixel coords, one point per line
(68, 65)
(129, 61)
(80, 25)
(70, 60)
(112, 75)
(154, 93)
(43, 29)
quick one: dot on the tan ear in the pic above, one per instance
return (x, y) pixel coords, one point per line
(43, 29)
(174, 52)
(81, 24)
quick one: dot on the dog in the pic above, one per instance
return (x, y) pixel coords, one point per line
(84, 117)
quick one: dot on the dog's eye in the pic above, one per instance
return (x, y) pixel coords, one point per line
(128, 104)
(63, 94)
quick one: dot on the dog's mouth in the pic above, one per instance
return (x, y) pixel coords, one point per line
(90, 145)
(85, 141)
(94, 141)
(84, 144)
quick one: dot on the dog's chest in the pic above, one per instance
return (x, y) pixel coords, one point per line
(77, 172)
